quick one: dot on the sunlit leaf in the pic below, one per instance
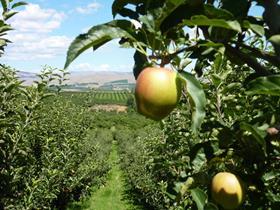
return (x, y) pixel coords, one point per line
(5, 28)
(2, 42)
(201, 20)
(269, 85)
(98, 36)
(18, 4)
(199, 197)
(199, 160)
(259, 30)
(275, 39)
(197, 95)
(9, 14)
(269, 176)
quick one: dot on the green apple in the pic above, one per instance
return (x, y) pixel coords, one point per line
(227, 190)
(157, 92)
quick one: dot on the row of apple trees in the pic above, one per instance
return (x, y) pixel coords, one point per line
(49, 154)
(46, 154)
(230, 99)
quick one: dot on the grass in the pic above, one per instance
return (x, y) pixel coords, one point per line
(112, 195)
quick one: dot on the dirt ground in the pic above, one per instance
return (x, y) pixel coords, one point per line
(109, 108)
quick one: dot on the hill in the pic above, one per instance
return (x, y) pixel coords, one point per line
(89, 79)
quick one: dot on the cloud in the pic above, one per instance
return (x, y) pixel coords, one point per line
(92, 7)
(34, 18)
(31, 37)
(31, 47)
(81, 67)
(102, 67)
(125, 68)
(90, 67)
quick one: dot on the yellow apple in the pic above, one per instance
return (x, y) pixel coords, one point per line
(227, 190)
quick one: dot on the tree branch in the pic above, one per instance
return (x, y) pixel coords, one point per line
(167, 58)
(264, 55)
(260, 70)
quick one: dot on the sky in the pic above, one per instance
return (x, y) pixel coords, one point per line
(45, 28)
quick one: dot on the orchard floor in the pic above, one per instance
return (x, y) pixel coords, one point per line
(112, 195)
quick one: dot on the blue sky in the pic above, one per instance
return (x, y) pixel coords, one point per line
(45, 28)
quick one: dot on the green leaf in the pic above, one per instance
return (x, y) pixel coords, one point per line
(98, 36)
(185, 62)
(5, 123)
(269, 85)
(259, 30)
(210, 206)
(213, 12)
(3, 42)
(46, 95)
(169, 7)
(9, 14)
(2, 23)
(239, 8)
(128, 13)
(275, 39)
(219, 47)
(232, 86)
(269, 176)
(218, 62)
(216, 79)
(197, 95)
(5, 4)
(186, 185)
(199, 65)
(5, 28)
(201, 20)
(18, 4)
(10, 86)
(149, 21)
(140, 62)
(199, 197)
(258, 135)
(199, 160)
(118, 5)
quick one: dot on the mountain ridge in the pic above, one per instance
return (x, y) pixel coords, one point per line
(75, 77)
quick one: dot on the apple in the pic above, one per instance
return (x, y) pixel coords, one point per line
(157, 92)
(227, 190)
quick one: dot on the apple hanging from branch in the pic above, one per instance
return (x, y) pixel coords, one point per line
(157, 92)
(227, 190)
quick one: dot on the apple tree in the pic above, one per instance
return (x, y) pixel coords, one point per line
(8, 11)
(231, 93)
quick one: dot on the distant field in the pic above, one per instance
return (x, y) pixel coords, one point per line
(99, 97)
